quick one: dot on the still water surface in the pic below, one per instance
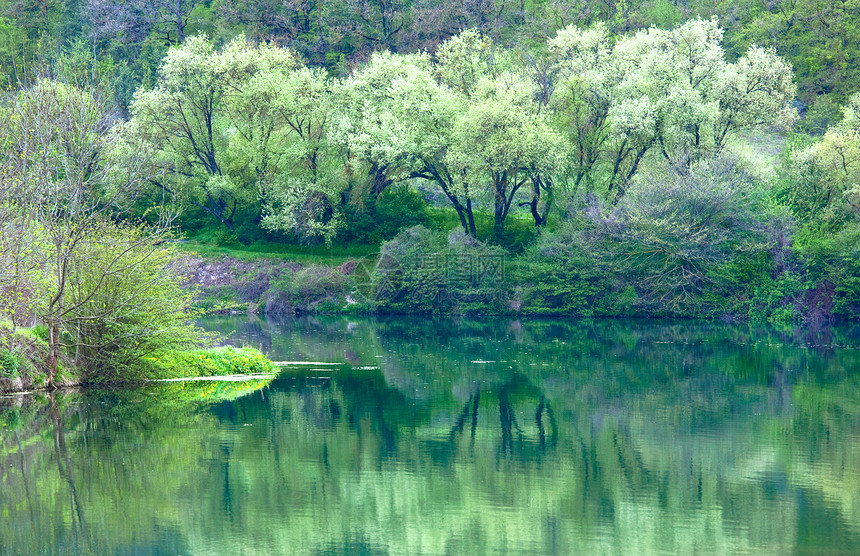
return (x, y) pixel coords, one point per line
(456, 437)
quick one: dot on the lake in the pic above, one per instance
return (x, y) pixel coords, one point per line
(423, 436)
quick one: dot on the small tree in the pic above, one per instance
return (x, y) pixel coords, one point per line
(304, 185)
(126, 299)
(73, 191)
(824, 178)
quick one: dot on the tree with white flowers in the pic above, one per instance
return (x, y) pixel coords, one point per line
(502, 143)
(396, 122)
(206, 147)
(300, 172)
(825, 176)
(670, 92)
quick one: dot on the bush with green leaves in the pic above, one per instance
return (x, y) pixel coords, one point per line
(313, 289)
(422, 271)
(9, 364)
(560, 275)
(221, 361)
(674, 236)
(119, 317)
(820, 184)
(23, 355)
(398, 207)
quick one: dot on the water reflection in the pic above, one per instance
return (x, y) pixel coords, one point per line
(457, 437)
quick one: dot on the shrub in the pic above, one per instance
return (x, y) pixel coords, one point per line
(221, 361)
(9, 364)
(313, 289)
(421, 271)
(22, 354)
(120, 317)
(672, 234)
(398, 207)
(558, 276)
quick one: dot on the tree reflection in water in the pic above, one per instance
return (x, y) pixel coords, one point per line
(455, 437)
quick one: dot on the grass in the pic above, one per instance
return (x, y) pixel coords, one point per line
(519, 227)
(519, 232)
(26, 358)
(221, 361)
(303, 254)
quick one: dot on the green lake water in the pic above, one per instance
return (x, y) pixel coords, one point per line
(456, 437)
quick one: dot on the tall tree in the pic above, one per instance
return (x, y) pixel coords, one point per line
(303, 183)
(187, 124)
(503, 143)
(398, 125)
(671, 92)
(134, 20)
(824, 178)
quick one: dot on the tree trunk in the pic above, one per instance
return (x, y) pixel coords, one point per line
(380, 181)
(501, 203)
(461, 212)
(538, 188)
(533, 206)
(499, 219)
(53, 353)
(471, 217)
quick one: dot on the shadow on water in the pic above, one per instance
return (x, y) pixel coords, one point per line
(456, 436)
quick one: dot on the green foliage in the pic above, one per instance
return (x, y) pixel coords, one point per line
(823, 177)
(831, 260)
(9, 364)
(313, 289)
(673, 240)
(223, 361)
(496, 126)
(397, 208)
(823, 113)
(208, 146)
(559, 275)
(421, 271)
(23, 355)
(670, 94)
(819, 39)
(120, 317)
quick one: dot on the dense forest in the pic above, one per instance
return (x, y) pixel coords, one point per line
(618, 158)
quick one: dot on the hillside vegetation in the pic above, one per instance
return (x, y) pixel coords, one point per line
(649, 158)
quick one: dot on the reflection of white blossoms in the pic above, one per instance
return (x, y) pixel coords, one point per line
(378, 279)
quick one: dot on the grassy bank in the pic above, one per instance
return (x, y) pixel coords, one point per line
(574, 272)
(23, 363)
(23, 356)
(213, 362)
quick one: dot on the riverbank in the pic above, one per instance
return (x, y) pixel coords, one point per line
(23, 361)
(24, 356)
(424, 272)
